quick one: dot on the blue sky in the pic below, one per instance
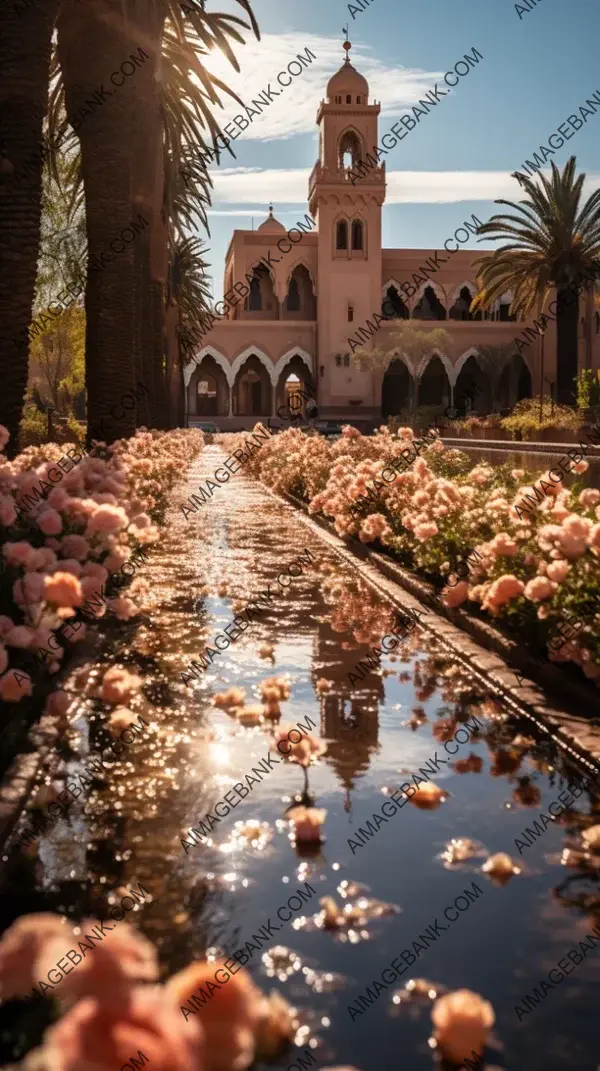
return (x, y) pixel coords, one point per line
(536, 71)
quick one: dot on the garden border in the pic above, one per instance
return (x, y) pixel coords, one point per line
(486, 650)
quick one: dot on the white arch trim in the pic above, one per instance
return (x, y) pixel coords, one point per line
(445, 361)
(300, 261)
(253, 351)
(399, 356)
(441, 293)
(196, 361)
(462, 360)
(296, 351)
(392, 282)
(470, 287)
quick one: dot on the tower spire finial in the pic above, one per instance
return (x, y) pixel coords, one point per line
(346, 45)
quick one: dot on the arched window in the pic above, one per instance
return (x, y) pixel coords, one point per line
(348, 99)
(293, 297)
(341, 235)
(346, 360)
(255, 299)
(338, 360)
(357, 234)
(351, 314)
(349, 151)
(358, 100)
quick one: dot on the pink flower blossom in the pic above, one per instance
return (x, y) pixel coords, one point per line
(462, 1020)
(75, 546)
(426, 530)
(58, 703)
(19, 636)
(501, 591)
(589, 497)
(50, 522)
(15, 685)
(20, 946)
(455, 596)
(107, 518)
(231, 1021)
(63, 589)
(580, 467)
(124, 958)
(98, 1037)
(557, 571)
(18, 553)
(539, 588)
(4, 436)
(119, 684)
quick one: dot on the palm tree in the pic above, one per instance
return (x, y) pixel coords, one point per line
(128, 148)
(189, 297)
(24, 76)
(556, 243)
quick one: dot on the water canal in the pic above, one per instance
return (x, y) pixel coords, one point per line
(402, 875)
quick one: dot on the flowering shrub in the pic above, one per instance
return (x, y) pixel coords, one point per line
(59, 551)
(531, 568)
(525, 418)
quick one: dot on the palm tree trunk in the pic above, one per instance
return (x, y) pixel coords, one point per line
(94, 40)
(567, 344)
(25, 50)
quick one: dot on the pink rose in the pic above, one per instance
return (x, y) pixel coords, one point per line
(63, 589)
(104, 1038)
(20, 947)
(540, 588)
(230, 1021)
(557, 571)
(75, 546)
(19, 636)
(50, 522)
(118, 685)
(107, 518)
(123, 958)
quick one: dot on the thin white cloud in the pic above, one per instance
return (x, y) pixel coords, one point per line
(290, 187)
(294, 110)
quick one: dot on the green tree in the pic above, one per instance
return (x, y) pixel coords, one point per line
(406, 339)
(57, 361)
(555, 243)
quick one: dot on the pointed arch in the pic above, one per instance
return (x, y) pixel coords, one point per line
(438, 290)
(297, 263)
(392, 281)
(462, 360)
(350, 141)
(456, 292)
(447, 363)
(433, 383)
(196, 360)
(296, 351)
(397, 355)
(253, 351)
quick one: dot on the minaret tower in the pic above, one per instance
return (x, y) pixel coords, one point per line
(349, 239)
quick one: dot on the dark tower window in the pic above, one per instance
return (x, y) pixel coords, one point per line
(346, 360)
(293, 297)
(255, 300)
(358, 100)
(348, 99)
(351, 314)
(357, 234)
(338, 359)
(349, 151)
(341, 235)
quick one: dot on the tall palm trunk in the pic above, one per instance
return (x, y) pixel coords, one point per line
(25, 49)
(93, 41)
(567, 344)
(148, 191)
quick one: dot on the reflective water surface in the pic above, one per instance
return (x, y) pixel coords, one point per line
(398, 878)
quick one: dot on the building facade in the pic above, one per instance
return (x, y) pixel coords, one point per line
(299, 302)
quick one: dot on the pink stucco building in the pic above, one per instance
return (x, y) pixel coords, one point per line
(316, 286)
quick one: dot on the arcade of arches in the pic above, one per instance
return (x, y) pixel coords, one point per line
(496, 391)
(252, 394)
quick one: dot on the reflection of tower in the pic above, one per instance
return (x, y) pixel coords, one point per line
(349, 715)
